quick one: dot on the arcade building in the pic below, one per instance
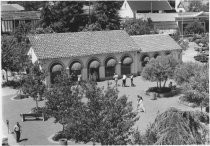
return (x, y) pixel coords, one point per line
(98, 55)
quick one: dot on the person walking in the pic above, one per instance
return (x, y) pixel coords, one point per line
(132, 85)
(124, 81)
(115, 79)
(79, 78)
(17, 131)
(140, 106)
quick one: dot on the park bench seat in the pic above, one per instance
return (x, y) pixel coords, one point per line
(32, 115)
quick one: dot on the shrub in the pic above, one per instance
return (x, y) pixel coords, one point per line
(39, 110)
(202, 58)
(159, 90)
(21, 96)
(58, 136)
(12, 83)
(190, 97)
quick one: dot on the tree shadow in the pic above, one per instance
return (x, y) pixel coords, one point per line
(24, 139)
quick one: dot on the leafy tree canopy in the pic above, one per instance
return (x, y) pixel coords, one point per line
(63, 16)
(198, 6)
(138, 27)
(194, 28)
(160, 69)
(105, 16)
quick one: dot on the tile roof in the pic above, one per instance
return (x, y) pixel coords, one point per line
(146, 5)
(59, 45)
(11, 7)
(155, 42)
(157, 17)
(20, 15)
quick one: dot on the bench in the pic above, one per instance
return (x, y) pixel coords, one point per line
(32, 115)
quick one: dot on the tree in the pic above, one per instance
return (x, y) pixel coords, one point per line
(62, 103)
(138, 27)
(194, 28)
(198, 6)
(194, 80)
(33, 83)
(14, 54)
(175, 127)
(160, 69)
(63, 16)
(105, 16)
(107, 118)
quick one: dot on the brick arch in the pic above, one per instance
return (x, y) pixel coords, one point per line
(75, 60)
(124, 55)
(108, 57)
(56, 62)
(92, 58)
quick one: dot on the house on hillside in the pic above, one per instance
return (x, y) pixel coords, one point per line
(98, 55)
(130, 8)
(13, 14)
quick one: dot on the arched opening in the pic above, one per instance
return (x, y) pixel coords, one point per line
(75, 70)
(110, 64)
(156, 55)
(55, 70)
(144, 60)
(126, 65)
(93, 70)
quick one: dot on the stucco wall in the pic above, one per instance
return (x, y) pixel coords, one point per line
(136, 66)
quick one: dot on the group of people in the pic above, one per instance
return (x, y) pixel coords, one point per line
(123, 80)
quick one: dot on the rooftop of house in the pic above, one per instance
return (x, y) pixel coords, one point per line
(20, 15)
(149, 4)
(11, 7)
(155, 42)
(62, 45)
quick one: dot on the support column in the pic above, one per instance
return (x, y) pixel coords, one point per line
(101, 72)
(118, 69)
(84, 74)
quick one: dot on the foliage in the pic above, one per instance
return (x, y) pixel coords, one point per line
(160, 69)
(194, 28)
(58, 136)
(198, 6)
(107, 118)
(158, 90)
(175, 127)
(14, 53)
(20, 96)
(185, 71)
(33, 84)
(138, 26)
(63, 16)
(61, 103)
(182, 42)
(13, 83)
(202, 58)
(105, 16)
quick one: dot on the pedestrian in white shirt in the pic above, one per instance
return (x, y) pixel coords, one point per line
(124, 80)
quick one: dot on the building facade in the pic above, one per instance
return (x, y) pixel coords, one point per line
(98, 55)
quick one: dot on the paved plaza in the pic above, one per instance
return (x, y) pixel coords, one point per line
(38, 132)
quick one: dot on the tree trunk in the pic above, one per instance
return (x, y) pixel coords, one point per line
(164, 83)
(36, 103)
(201, 108)
(160, 84)
(6, 76)
(157, 84)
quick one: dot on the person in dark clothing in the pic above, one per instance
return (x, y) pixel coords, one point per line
(17, 131)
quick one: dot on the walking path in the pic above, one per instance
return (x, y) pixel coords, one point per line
(38, 132)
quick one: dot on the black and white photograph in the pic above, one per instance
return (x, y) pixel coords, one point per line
(104, 72)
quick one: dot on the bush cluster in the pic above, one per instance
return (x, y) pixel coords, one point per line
(21, 96)
(159, 90)
(12, 83)
(58, 136)
(202, 58)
